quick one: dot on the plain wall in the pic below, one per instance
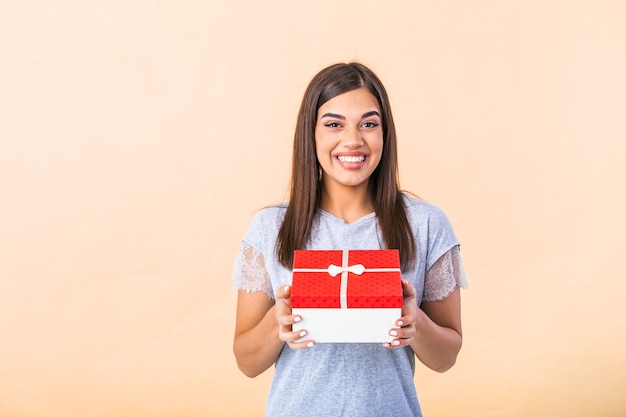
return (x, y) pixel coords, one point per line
(138, 139)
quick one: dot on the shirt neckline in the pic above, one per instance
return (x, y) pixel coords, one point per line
(345, 223)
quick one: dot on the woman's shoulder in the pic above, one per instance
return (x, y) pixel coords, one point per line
(425, 213)
(269, 216)
(273, 209)
(415, 205)
(265, 225)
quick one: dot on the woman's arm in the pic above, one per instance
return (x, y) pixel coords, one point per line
(433, 332)
(262, 328)
(256, 344)
(438, 336)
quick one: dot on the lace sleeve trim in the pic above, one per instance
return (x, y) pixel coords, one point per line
(249, 273)
(444, 276)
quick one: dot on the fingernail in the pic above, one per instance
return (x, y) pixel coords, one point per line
(400, 323)
(396, 342)
(393, 333)
(286, 288)
(386, 344)
(310, 344)
(297, 319)
(302, 333)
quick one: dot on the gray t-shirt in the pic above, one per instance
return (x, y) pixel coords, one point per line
(350, 379)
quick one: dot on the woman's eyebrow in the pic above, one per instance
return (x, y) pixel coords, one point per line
(371, 113)
(334, 116)
(339, 116)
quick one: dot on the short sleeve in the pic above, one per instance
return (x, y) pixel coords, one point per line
(249, 272)
(444, 276)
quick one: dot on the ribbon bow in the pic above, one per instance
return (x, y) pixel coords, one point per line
(334, 270)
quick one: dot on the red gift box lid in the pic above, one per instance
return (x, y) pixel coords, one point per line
(371, 279)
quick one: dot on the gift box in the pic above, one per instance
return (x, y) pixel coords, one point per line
(347, 296)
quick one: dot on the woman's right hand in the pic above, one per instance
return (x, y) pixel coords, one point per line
(286, 320)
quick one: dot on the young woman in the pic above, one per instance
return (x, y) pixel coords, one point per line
(345, 195)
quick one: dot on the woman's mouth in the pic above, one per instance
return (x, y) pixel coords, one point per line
(351, 159)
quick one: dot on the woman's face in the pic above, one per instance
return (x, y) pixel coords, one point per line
(349, 139)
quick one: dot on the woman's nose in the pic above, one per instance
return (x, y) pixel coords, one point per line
(352, 138)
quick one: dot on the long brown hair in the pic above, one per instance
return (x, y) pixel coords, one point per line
(383, 185)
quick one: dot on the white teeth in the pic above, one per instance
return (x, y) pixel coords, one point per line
(351, 159)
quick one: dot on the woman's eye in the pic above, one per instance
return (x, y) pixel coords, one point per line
(332, 124)
(370, 124)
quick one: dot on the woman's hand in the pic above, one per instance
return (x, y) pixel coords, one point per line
(405, 331)
(286, 320)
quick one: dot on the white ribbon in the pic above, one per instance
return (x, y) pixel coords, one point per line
(334, 270)
(343, 291)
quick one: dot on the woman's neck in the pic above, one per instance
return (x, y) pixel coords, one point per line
(348, 203)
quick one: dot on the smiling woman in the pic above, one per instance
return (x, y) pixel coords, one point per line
(345, 195)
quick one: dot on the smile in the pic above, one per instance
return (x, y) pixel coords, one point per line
(351, 159)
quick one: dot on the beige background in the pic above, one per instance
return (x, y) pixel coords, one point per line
(139, 138)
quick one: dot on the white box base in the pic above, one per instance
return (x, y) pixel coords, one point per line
(347, 325)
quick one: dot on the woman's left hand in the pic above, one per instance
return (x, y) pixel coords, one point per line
(405, 331)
